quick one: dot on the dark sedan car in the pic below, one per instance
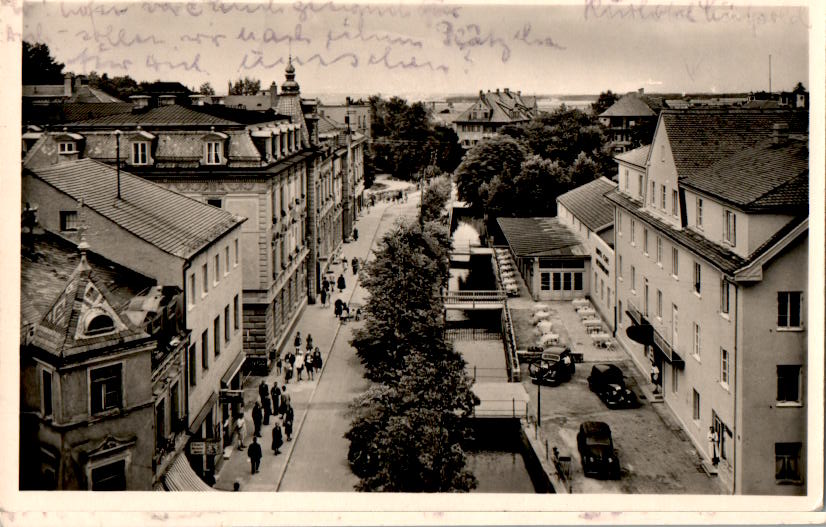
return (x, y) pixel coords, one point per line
(606, 380)
(596, 450)
(552, 367)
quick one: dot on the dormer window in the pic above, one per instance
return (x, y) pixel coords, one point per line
(67, 147)
(213, 153)
(140, 153)
(99, 325)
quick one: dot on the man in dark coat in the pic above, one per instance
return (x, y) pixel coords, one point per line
(254, 453)
(275, 392)
(285, 400)
(264, 393)
(337, 310)
(277, 441)
(288, 423)
(257, 417)
(341, 283)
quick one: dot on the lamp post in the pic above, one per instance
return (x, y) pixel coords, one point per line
(117, 157)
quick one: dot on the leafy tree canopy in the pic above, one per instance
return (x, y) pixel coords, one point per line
(498, 156)
(245, 86)
(38, 65)
(206, 89)
(603, 102)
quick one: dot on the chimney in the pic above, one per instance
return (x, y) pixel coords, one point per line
(780, 132)
(197, 99)
(67, 85)
(519, 93)
(139, 102)
(166, 100)
(273, 95)
(507, 91)
(497, 91)
(481, 93)
(641, 91)
(78, 82)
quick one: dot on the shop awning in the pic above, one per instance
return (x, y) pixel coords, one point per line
(664, 347)
(181, 477)
(199, 419)
(233, 369)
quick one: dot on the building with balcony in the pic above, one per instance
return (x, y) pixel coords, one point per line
(586, 211)
(631, 114)
(102, 370)
(711, 251)
(177, 241)
(490, 112)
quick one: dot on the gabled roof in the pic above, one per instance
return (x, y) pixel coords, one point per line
(637, 156)
(172, 115)
(588, 204)
(540, 237)
(765, 176)
(77, 110)
(172, 222)
(629, 105)
(504, 107)
(701, 137)
(328, 125)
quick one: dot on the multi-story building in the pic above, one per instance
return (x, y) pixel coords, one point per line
(177, 241)
(711, 257)
(586, 211)
(633, 111)
(357, 112)
(490, 112)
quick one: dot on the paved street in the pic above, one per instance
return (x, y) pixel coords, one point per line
(316, 458)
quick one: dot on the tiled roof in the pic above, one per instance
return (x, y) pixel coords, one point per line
(290, 105)
(702, 137)
(759, 177)
(328, 125)
(629, 105)
(87, 94)
(588, 204)
(239, 115)
(723, 259)
(172, 222)
(637, 156)
(540, 237)
(506, 107)
(172, 115)
(75, 111)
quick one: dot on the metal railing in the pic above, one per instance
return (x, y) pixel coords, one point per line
(471, 334)
(474, 297)
(509, 340)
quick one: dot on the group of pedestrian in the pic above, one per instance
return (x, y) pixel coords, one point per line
(301, 361)
(272, 402)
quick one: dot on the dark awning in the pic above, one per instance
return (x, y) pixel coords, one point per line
(664, 347)
(196, 424)
(233, 369)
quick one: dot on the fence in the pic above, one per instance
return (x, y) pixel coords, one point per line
(561, 463)
(512, 361)
(471, 334)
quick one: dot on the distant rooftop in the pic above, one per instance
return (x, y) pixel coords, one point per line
(540, 237)
(588, 204)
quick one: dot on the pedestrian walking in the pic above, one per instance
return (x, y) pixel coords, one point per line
(277, 440)
(308, 363)
(275, 393)
(297, 341)
(323, 298)
(355, 265)
(317, 359)
(288, 423)
(285, 400)
(309, 342)
(263, 389)
(278, 365)
(239, 430)
(358, 313)
(255, 455)
(257, 417)
(265, 404)
(341, 283)
(299, 365)
(324, 284)
(343, 265)
(288, 372)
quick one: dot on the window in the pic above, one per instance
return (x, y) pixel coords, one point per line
(160, 421)
(227, 331)
(674, 203)
(619, 312)
(675, 262)
(595, 282)
(724, 296)
(545, 281)
(633, 278)
(788, 384)
(633, 232)
(788, 309)
(140, 153)
(675, 380)
(66, 147)
(645, 241)
(787, 462)
(625, 180)
(659, 304)
(193, 365)
(68, 220)
(213, 153)
(215, 202)
(659, 250)
(236, 251)
(205, 271)
(46, 383)
(110, 477)
(641, 187)
(601, 289)
(191, 293)
(645, 296)
(699, 218)
(226, 260)
(105, 386)
(205, 349)
(566, 281)
(697, 271)
(724, 366)
(653, 193)
(217, 268)
(216, 335)
(730, 228)
(696, 406)
(235, 315)
(662, 153)
(662, 197)
(696, 345)
(619, 223)
(619, 266)
(557, 278)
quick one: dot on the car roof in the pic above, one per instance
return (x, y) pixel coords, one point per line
(605, 368)
(596, 428)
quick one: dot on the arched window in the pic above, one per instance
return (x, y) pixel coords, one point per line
(100, 324)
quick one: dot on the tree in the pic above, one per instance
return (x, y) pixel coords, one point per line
(121, 87)
(562, 134)
(603, 102)
(584, 170)
(206, 89)
(498, 156)
(245, 86)
(38, 65)
(435, 197)
(532, 191)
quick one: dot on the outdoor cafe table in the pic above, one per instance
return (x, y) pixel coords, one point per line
(544, 325)
(592, 323)
(601, 339)
(549, 338)
(586, 312)
(580, 302)
(540, 315)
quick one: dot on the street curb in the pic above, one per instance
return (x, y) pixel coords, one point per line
(326, 362)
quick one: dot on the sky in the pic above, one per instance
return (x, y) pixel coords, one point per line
(431, 49)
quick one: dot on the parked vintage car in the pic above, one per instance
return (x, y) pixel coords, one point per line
(552, 367)
(596, 450)
(606, 380)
